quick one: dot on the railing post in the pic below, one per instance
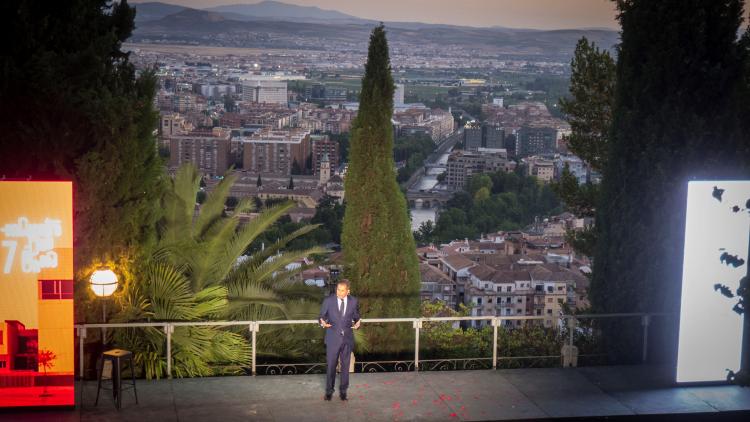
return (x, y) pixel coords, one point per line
(168, 328)
(81, 336)
(572, 322)
(495, 324)
(645, 321)
(254, 327)
(417, 325)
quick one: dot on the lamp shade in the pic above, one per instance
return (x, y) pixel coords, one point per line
(103, 282)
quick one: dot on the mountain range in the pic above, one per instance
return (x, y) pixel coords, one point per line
(272, 24)
(266, 10)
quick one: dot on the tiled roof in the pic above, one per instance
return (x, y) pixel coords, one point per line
(457, 261)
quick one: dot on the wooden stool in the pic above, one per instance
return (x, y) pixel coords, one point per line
(117, 356)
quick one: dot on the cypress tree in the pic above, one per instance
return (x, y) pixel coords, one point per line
(589, 111)
(676, 117)
(378, 245)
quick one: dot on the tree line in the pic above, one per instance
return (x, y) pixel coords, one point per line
(491, 202)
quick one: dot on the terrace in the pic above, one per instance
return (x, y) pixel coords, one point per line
(497, 387)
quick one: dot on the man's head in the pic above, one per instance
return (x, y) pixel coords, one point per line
(342, 288)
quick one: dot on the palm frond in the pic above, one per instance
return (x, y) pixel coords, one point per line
(199, 350)
(281, 243)
(213, 206)
(266, 272)
(243, 299)
(248, 233)
(298, 290)
(134, 305)
(179, 202)
(171, 296)
(245, 205)
(211, 302)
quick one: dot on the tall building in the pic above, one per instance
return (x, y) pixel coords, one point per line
(442, 124)
(185, 102)
(462, 165)
(542, 169)
(322, 145)
(264, 91)
(314, 91)
(535, 141)
(318, 91)
(576, 166)
(494, 136)
(478, 135)
(436, 123)
(276, 151)
(172, 124)
(209, 90)
(510, 144)
(209, 151)
(472, 136)
(398, 95)
(335, 93)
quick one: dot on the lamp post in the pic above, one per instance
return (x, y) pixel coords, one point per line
(103, 283)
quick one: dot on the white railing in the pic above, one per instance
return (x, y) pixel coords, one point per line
(254, 327)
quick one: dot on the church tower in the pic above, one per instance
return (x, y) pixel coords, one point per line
(325, 169)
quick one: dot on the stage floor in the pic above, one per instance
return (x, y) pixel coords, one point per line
(507, 394)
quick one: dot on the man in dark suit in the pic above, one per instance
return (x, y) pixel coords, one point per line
(339, 314)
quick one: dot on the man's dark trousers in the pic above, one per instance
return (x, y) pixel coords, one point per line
(344, 352)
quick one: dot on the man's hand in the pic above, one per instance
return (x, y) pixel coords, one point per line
(357, 324)
(325, 324)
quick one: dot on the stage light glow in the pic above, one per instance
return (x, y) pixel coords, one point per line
(103, 282)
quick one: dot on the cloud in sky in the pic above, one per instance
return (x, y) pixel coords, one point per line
(542, 14)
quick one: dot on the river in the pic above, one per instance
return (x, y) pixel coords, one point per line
(426, 182)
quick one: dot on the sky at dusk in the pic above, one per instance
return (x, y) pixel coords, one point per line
(541, 14)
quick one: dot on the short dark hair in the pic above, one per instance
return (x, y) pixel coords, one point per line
(345, 282)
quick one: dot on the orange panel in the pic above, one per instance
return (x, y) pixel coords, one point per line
(36, 243)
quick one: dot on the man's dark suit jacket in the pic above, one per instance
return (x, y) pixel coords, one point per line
(329, 311)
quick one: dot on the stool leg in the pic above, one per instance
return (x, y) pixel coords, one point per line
(132, 376)
(99, 384)
(119, 384)
(113, 380)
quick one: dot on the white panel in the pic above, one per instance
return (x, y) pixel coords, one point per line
(710, 338)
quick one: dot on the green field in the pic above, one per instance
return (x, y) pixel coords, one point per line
(425, 92)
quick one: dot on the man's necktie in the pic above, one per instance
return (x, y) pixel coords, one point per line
(341, 312)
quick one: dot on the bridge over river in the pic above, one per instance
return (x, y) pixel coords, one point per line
(428, 199)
